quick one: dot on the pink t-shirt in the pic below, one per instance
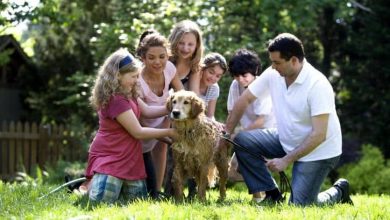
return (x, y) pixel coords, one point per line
(114, 151)
(152, 99)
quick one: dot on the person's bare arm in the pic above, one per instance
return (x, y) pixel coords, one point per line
(210, 111)
(258, 123)
(313, 140)
(238, 110)
(149, 111)
(130, 122)
(194, 82)
(176, 83)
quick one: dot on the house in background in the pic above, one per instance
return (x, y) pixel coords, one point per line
(13, 63)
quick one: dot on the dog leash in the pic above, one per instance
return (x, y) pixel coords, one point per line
(284, 182)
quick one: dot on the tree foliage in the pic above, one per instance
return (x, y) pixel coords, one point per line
(372, 161)
(345, 39)
(364, 96)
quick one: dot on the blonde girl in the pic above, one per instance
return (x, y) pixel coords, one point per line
(187, 51)
(115, 161)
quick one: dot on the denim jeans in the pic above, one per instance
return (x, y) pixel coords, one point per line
(307, 177)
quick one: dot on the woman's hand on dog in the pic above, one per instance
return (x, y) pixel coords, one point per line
(173, 134)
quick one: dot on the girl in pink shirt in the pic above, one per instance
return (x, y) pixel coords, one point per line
(115, 161)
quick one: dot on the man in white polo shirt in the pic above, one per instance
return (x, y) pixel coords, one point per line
(308, 133)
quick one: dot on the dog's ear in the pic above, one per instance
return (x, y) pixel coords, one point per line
(168, 104)
(197, 106)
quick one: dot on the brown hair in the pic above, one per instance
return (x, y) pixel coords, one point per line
(152, 40)
(213, 59)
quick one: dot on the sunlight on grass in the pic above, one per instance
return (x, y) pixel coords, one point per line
(22, 201)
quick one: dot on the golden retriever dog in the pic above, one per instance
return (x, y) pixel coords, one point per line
(195, 152)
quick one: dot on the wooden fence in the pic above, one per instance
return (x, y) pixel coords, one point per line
(24, 146)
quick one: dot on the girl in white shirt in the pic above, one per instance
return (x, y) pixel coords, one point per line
(213, 67)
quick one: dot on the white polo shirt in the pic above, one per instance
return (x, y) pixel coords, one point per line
(256, 108)
(311, 94)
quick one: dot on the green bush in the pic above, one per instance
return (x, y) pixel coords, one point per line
(56, 174)
(371, 174)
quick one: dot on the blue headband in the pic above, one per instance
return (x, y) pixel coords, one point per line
(125, 61)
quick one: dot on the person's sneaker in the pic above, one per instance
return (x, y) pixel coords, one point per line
(160, 196)
(74, 186)
(269, 201)
(343, 186)
(67, 179)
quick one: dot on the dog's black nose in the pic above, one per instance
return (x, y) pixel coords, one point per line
(175, 114)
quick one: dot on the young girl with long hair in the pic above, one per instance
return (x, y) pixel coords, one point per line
(115, 162)
(187, 51)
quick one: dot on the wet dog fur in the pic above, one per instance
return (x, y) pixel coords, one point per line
(195, 152)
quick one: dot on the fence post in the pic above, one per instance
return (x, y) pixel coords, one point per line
(34, 144)
(19, 147)
(60, 145)
(26, 147)
(4, 151)
(12, 149)
(43, 142)
(53, 144)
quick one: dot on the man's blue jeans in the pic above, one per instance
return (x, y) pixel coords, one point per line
(307, 177)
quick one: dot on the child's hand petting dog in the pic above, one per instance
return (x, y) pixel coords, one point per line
(166, 140)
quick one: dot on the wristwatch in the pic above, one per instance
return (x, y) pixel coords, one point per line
(226, 134)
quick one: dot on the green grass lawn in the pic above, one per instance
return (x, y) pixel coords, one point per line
(21, 201)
